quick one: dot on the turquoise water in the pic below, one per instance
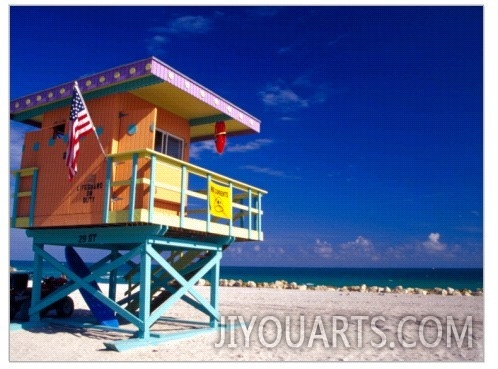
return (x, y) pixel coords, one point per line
(382, 277)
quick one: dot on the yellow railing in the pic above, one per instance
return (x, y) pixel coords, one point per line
(184, 187)
(24, 221)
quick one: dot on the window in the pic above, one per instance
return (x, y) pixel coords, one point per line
(58, 131)
(169, 144)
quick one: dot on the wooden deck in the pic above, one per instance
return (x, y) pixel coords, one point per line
(180, 199)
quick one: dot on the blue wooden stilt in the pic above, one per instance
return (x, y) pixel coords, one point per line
(37, 276)
(214, 281)
(113, 275)
(144, 312)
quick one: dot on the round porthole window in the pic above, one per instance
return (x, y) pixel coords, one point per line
(132, 129)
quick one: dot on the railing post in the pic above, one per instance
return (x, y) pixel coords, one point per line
(249, 209)
(152, 187)
(107, 190)
(133, 190)
(182, 195)
(34, 181)
(208, 220)
(230, 221)
(260, 197)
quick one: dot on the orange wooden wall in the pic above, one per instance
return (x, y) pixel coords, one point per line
(126, 123)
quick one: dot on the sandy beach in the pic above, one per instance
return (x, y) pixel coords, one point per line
(286, 325)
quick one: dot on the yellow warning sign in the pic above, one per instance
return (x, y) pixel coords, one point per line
(220, 200)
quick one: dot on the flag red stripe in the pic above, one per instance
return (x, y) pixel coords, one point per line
(81, 126)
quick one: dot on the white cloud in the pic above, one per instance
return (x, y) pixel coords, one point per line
(155, 44)
(301, 93)
(400, 252)
(16, 138)
(359, 249)
(285, 49)
(268, 171)
(296, 45)
(196, 148)
(188, 24)
(276, 250)
(434, 237)
(185, 24)
(323, 248)
(235, 249)
(288, 119)
(282, 97)
(433, 244)
(336, 40)
(16, 143)
(361, 244)
(249, 146)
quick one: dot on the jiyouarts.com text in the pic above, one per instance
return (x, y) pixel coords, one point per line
(344, 331)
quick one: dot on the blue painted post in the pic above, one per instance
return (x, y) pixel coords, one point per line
(214, 280)
(113, 276)
(145, 279)
(249, 209)
(152, 187)
(15, 200)
(37, 278)
(259, 216)
(133, 190)
(107, 191)
(34, 181)
(182, 196)
(255, 216)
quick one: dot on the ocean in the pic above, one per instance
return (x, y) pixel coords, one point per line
(460, 278)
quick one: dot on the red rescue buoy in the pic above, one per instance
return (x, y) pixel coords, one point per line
(220, 136)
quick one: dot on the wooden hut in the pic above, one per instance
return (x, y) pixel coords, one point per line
(135, 195)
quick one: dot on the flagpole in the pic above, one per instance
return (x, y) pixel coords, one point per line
(93, 125)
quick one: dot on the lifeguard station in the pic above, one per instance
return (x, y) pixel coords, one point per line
(142, 205)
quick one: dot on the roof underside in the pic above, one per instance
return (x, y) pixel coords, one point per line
(153, 81)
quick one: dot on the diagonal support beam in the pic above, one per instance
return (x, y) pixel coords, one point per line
(187, 286)
(84, 283)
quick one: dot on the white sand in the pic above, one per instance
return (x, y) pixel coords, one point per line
(427, 318)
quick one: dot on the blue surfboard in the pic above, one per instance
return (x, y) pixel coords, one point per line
(103, 313)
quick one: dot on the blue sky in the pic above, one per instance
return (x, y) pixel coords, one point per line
(371, 146)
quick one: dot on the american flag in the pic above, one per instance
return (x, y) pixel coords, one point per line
(81, 126)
